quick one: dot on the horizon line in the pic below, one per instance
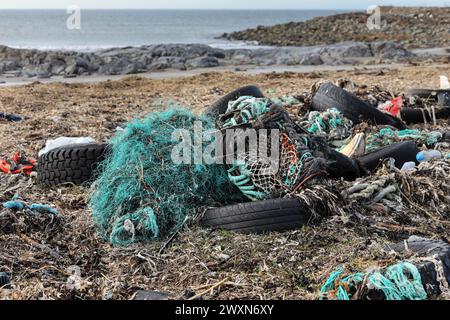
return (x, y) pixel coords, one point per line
(250, 9)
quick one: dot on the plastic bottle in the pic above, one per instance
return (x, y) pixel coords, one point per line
(408, 166)
(424, 156)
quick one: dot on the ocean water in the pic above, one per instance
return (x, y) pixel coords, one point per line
(47, 29)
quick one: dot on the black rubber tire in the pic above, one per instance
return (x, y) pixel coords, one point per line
(415, 115)
(72, 164)
(402, 152)
(341, 166)
(330, 96)
(259, 216)
(425, 93)
(220, 106)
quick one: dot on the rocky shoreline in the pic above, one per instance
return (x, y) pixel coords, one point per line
(413, 27)
(131, 60)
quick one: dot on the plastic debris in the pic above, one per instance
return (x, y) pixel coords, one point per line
(330, 123)
(37, 207)
(392, 107)
(141, 194)
(388, 136)
(408, 166)
(428, 155)
(356, 147)
(18, 165)
(444, 83)
(64, 141)
(42, 208)
(10, 117)
(14, 205)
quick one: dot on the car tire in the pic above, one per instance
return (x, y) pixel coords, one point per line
(330, 96)
(259, 216)
(72, 164)
(220, 106)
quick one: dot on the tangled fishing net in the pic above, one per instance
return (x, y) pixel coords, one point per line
(252, 173)
(387, 136)
(141, 194)
(330, 123)
(401, 281)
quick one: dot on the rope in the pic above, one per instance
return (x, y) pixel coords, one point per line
(387, 136)
(400, 282)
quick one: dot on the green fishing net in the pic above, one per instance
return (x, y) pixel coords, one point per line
(330, 123)
(141, 194)
(387, 136)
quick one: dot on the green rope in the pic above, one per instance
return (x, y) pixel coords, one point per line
(245, 109)
(330, 123)
(387, 136)
(243, 181)
(401, 281)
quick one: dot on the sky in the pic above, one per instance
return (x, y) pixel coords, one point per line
(214, 4)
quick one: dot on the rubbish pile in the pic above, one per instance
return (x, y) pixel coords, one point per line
(375, 161)
(141, 194)
(426, 273)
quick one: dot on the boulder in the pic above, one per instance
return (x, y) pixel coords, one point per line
(203, 62)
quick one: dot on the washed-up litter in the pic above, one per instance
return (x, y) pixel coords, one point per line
(426, 273)
(36, 207)
(428, 155)
(330, 123)
(444, 83)
(18, 164)
(392, 107)
(64, 141)
(4, 279)
(388, 136)
(400, 281)
(141, 194)
(356, 147)
(10, 117)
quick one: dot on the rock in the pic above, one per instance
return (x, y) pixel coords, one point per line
(203, 62)
(132, 68)
(311, 60)
(9, 65)
(411, 27)
(390, 50)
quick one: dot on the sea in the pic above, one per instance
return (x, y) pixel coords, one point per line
(89, 30)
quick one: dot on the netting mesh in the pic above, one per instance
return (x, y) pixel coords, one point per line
(253, 174)
(330, 123)
(257, 179)
(387, 136)
(141, 194)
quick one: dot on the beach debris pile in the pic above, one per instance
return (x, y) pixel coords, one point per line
(141, 194)
(345, 166)
(425, 273)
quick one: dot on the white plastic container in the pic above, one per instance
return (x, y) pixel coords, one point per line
(408, 166)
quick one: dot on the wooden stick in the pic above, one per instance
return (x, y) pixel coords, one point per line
(208, 290)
